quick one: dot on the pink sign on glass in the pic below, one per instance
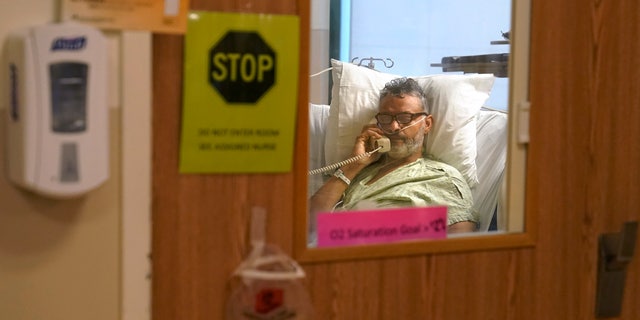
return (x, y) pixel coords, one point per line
(381, 226)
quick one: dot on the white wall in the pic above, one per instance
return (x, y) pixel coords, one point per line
(319, 52)
(85, 258)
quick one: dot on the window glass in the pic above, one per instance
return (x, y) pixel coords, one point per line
(415, 34)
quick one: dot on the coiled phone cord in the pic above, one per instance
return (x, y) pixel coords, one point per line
(342, 163)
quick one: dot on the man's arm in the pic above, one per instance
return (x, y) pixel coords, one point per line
(463, 226)
(331, 192)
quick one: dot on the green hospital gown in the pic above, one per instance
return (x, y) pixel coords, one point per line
(420, 183)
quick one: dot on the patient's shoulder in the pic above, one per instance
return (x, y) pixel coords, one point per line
(431, 162)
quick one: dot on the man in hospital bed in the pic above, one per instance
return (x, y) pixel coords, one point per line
(402, 176)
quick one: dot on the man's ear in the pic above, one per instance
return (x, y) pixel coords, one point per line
(428, 121)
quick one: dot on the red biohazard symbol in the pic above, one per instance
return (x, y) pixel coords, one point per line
(268, 300)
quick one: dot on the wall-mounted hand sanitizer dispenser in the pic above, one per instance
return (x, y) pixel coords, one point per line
(58, 128)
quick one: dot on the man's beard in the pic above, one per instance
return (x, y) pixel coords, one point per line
(408, 146)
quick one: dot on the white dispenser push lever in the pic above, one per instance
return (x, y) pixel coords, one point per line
(57, 137)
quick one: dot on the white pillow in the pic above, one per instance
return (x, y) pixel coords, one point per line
(318, 115)
(454, 102)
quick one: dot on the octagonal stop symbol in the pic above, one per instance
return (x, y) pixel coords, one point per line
(242, 67)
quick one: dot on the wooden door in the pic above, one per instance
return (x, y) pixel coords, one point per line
(583, 180)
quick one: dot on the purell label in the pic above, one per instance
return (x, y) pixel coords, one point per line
(71, 44)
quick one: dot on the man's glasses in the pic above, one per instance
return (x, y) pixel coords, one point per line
(403, 118)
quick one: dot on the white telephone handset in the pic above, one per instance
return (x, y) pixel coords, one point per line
(377, 145)
(382, 145)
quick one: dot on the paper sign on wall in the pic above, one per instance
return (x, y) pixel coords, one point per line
(164, 16)
(240, 93)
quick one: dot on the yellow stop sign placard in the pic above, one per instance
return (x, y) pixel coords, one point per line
(242, 67)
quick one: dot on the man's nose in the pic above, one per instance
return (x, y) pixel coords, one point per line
(395, 125)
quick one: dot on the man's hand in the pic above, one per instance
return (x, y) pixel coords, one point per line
(364, 143)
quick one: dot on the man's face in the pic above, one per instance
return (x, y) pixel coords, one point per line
(406, 138)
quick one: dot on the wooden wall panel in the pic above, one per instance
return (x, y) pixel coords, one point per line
(583, 179)
(201, 222)
(560, 59)
(583, 161)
